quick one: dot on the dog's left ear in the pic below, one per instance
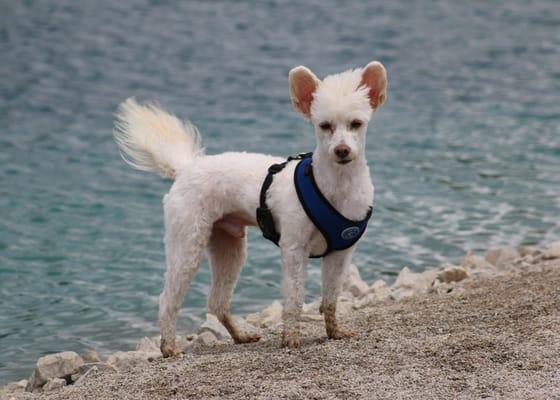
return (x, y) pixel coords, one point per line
(303, 84)
(374, 77)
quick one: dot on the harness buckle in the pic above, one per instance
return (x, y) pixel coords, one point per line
(275, 168)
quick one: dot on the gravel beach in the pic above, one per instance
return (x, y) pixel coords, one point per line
(492, 336)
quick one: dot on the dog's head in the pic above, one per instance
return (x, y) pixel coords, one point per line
(340, 107)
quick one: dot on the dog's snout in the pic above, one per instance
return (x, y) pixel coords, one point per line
(342, 151)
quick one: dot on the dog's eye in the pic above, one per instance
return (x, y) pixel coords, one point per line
(356, 124)
(326, 126)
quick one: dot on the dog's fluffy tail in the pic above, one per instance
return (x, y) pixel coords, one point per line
(150, 139)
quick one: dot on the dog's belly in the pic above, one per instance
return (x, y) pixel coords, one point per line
(234, 224)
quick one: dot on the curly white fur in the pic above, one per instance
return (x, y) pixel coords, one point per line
(214, 197)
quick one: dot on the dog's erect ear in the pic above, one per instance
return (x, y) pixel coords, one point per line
(303, 84)
(374, 77)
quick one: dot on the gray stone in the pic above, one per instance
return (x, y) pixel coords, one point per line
(353, 282)
(501, 256)
(91, 356)
(54, 384)
(127, 359)
(214, 326)
(207, 338)
(51, 366)
(453, 274)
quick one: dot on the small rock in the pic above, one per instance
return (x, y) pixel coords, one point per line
(213, 325)
(147, 345)
(15, 387)
(380, 289)
(91, 356)
(312, 308)
(501, 256)
(246, 327)
(406, 279)
(552, 251)
(97, 367)
(417, 282)
(311, 317)
(51, 366)
(127, 359)
(530, 251)
(454, 274)
(402, 293)
(365, 301)
(272, 315)
(441, 287)
(207, 338)
(344, 305)
(353, 282)
(472, 261)
(54, 384)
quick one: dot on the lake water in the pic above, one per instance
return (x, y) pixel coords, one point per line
(465, 154)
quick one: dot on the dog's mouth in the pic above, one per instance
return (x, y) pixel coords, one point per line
(343, 162)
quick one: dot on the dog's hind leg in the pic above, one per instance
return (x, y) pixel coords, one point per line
(227, 255)
(186, 237)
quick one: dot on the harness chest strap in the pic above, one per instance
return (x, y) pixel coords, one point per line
(339, 232)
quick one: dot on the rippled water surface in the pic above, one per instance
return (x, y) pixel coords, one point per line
(465, 154)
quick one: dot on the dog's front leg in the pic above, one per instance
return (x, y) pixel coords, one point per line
(334, 267)
(294, 261)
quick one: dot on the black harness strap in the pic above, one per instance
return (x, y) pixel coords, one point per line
(264, 215)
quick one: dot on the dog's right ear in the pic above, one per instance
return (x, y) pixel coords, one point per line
(303, 84)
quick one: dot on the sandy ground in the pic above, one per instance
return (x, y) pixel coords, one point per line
(500, 338)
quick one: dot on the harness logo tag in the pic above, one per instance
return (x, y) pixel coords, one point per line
(350, 233)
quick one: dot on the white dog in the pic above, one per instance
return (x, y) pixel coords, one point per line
(214, 197)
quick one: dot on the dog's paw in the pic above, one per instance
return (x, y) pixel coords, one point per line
(291, 341)
(340, 333)
(246, 337)
(168, 348)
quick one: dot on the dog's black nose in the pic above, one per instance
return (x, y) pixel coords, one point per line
(342, 151)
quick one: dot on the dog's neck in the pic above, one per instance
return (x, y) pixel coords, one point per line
(347, 187)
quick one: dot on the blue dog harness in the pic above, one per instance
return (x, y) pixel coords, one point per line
(339, 232)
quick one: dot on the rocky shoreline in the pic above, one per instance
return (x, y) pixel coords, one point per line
(58, 373)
